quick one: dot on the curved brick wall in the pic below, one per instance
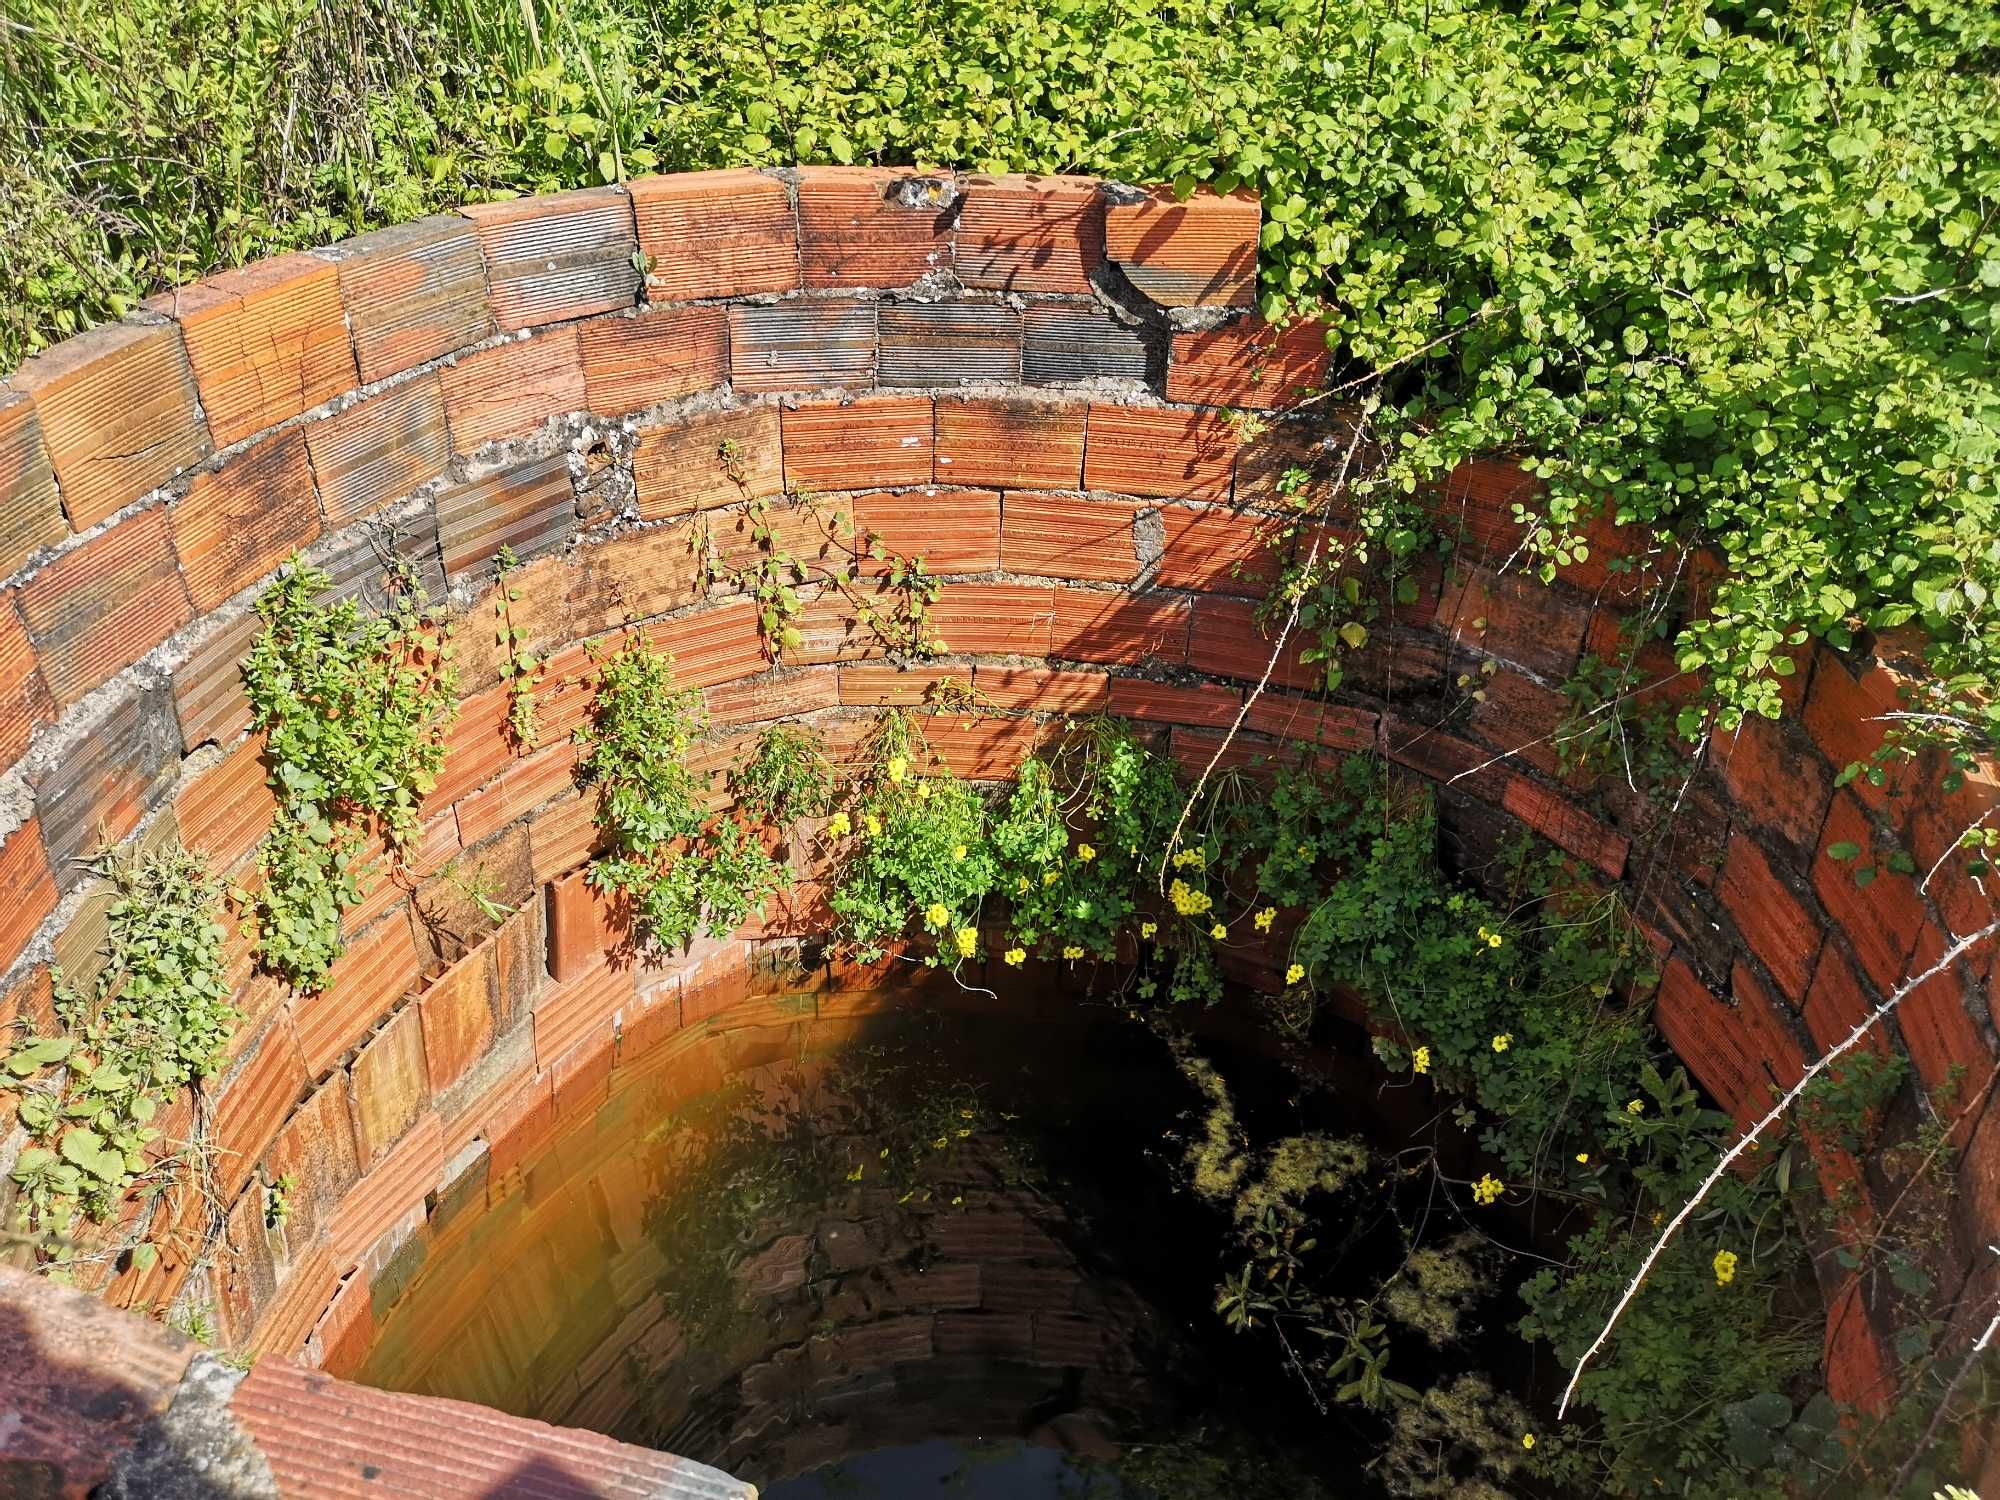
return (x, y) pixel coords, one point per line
(1023, 380)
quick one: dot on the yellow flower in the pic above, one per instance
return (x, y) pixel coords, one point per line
(937, 914)
(1725, 1267)
(1527, 1440)
(1488, 1189)
(874, 826)
(1295, 973)
(1582, 1158)
(1147, 929)
(1218, 932)
(1072, 951)
(1636, 1107)
(1490, 939)
(1023, 883)
(1085, 853)
(1265, 918)
(1420, 1060)
(968, 941)
(959, 852)
(1503, 1041)
(1050, 877)
(923, 791)
(1016, 956)
(1188, 901)
(838, 825)
(897, 767)
(1189, 857)
(1305, 851)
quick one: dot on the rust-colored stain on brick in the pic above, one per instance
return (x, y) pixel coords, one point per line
(874, 442)
(379, 449)
(117, 413)
(94, 611)
(512, 388)
(529, 507)
(1159, 450)
(30, 514)
(1010, 443)
(872, 226)
(239, 522)
(412, 293)
(711, 459)
(25, 704)
(316, 1147)
(1198, 252)
(558, 255)
(1248, 363)
(1064, 342)
(1021, 233)
(949, 343)
(631, 363)
(951, 530)
(729, 233)
(802, 346)
(266, 342)
(1060, 536)
(378, 968)
(390, 1083)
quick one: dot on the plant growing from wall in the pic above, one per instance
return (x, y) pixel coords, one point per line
(353, 708)
(520, 668)
(155, 1019)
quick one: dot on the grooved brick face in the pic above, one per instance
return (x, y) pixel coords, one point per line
(949, 343)
(25, 704)
(715, 234)
(712, 645)
(254, 1100)
(1773, 922)
(1158, 450)
(529, 507)
(873, 443)
(1201, 252)
(512, 388)
(1774, 779)
(1511, 616)
(998, 619)
(1215, 552)
(1029, 233)
(93, 612)
(1247, 363)
(239, 522)
(412, 293)
(117, 413)
(632, 363)
(796, 346)
(30, 514)
(28, 888)
(1227, 640)
(390, 1083)
(316, 1145)
(377, 969)
(1059, 536)
(558, 255)
(1010, 443)
(224, 811)
(1116, 628)
(266, 342)
(1844, 710)
(1882, 922)
(707, 460)
(1063, 342)
(379, 449)
(953, 531)
(872, 226)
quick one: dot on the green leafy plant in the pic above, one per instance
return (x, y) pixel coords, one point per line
(520, 668)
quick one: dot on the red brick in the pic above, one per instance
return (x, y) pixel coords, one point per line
(95, 794)
(266, 342)
(631, 363)
(316, 1148)
(456, 1013)
(781, 693)
(519, 1125)
(1248, 363)
(1197, 751)
(1029, 233)
(398, 1184)
(1524, 720)
(877, 442)
(254, 1101)
(1287, 717)
(951, 531)
(581, 928)
(25, 704)
(1565, 825)
(477, 747)
(1010, 443)
(872, 226)
(1317, 444)
(712, 645)
(886, 686)
(1170, 703)
(116, 406)
(412, 293)
(1837, 1003)
(27, 885)
(707, 460)
(982, 749)
(1859, 1370)
(994, 619)
(94, 611)
(379, 449)
(1938, 1030)
(1478, 501)
(1516, 618)
(1227, 640)
(524, 785)
(1042, 689)
(1158, 450)
(1777, 783)
(1773, 922)
(557, 256)
(578, 1012)
(1119, 629)
(512, 388)
(582, 1075)
(528, 508)
(1710, 1038)
(1216, 551)
(1197, 252)
(1060, 536)
(239, 522)
(1881, 921)
(30, 514)
(378, 969)
(802, 346)
(1844, 717)
(345, 1334)
(223, 813)
(715, 234)
(391, 1084)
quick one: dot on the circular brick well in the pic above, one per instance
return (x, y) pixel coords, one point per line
(1034, 383)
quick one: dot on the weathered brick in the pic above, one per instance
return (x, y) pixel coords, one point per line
(952, 531)
(712, 645)
(529, 507)
(476, 748)
(662, 354)
(118, 772)
(715, 234)
(982, 748)
(1287, 717)
(379, 449)
(1063, 342)
(512, 388)
(25, 704)
(456, 1013)
(1881, 921)
(1120, 629)
(1773, 922)
(1844, 714)
(1776, 781)
(239, 522)
(802, 346)
(524, 785)
(872, 226)
(1028, 233)
(1215, 551)
(1714, 1042)
(27, 885)
(396, 1185)
(378, 969)
(412, 293)
(1196, 252)
(874, 442)
(710, 459)
(1309, 449)
(1248, 363)
(390, 1083)
(96, 610)
(1226, 640)
(254, 1101)
(1513, 617)
(780, 693)
(575, 1018)
(1060, 536)
(1938, 1030)
(30, 514)
(209, 697)
(316, 1148)
(1010, 443)
(1478, 502)
(266, 342)
(557, 256)
(885, 685)
(391, 562)
(1565, 825)
(1205, 703)
(117, 412)
(223, 812)
(949, 343)
(1838, 1002)
(1156, 450)
(995, 619)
